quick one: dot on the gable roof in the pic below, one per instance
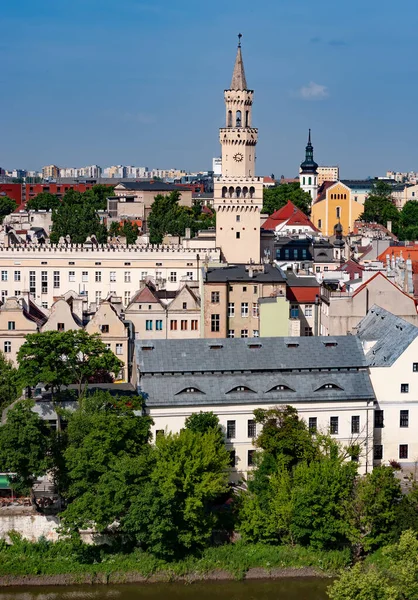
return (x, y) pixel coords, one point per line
(380, 274)
(322, 192)
(147, 295)
(392, 335)
(289, 214)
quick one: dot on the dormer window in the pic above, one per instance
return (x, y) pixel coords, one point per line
(281, 388)
(241, 388)
(329, 386)
(330, 344)
(190, 390)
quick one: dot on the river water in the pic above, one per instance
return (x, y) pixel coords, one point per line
(279, 589)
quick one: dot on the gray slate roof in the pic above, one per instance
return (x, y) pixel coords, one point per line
(156, 186)
(294, 280)
(163, 390)
(239, 273)
(237, 354)
(392, 335)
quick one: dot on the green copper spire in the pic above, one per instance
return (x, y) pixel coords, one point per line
(309, 165)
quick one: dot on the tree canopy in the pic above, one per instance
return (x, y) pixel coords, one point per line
(10, 384)
(276, 197)
(43, 201)
(168, 218)
(128, 230)
(60, 358)
(7, 206)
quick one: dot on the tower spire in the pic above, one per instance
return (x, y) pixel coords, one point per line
(238, 76)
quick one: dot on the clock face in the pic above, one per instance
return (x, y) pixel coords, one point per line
(238, 157)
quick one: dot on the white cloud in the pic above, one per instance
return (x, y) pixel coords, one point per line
(313, 91)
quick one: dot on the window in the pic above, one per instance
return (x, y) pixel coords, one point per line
(232, 458)
(404, 418)
(71, 276)
(149, 306)
(4, 275)
(60, 327)
(231, 333)
(104, 328)
(256, 333)
(214, 323)
(255, 289)
(173, 325)
(32, 282)
(214, 297)
(237, 235)
(119, 349)
(230, 429)
(84, 276)
(11, 325)
(189, 275)
(194, 325)
(255, 309)
(294, 311)
(403, 450)
(148, 325)
(184, 305)
(244, 309)
(127, 298)
(295, 253)
(404, 388)
(44, 282)
(415, 367)
(17, 275)
(4, 295)
(17, 292)
(231, 309)
(159, 325)
(56, 279)
(378, 452)
(333, 425)
(251, 428)
(250, 458)
(98, 276)
(238, 218)
(338, 212)
(7, 347)
(144, 275)
(313, 423)
(98, 297)
(159, 432)
(355, 424)
(127, 277)
(97, 264)
(308, 331)
(244, 333)
(173, 277)
(378, 419)
(244, 289)
(183, 325)
(113, 276)
(308, 310)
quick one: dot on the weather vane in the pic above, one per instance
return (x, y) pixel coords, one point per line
(239, 40)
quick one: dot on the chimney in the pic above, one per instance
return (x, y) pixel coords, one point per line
(250, 272)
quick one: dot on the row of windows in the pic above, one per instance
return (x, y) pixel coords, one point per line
(379, 418)
(338, 196)
(17, 276)
(244, 333)
(60, 327)
(233, 458)
(333, 424)
(294, 311)
(295, 253)
(378, 451)
(184, 325)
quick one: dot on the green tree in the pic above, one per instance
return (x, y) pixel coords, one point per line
(173, 515)
(202, 422)
(102, 193)
(10, 384)
(130, 231)
(7, 206)
(60, 358)
(374, 509)
(25, 444)
(379, 206)
(408, 221)
(43, 201)
(163, 217)
(106, 458)
(276, 197)
(363, 584)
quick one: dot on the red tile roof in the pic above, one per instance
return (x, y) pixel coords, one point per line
(302, 295)
(289, 214)
(406, 251)
(322, 192)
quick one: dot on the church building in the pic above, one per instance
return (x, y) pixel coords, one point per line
(238, 193)
(308, 176)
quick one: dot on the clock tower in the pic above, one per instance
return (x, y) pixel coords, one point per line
(238, 193)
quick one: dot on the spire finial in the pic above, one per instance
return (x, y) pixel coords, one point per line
(309, 139)
(238, 76)
(239, 40)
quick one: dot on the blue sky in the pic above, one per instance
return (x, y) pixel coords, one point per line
(141, 82)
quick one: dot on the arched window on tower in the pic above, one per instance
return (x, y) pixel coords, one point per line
(231, 192)
(238, 192)
(229, 118)
(310, 181)
(238, 119)
(252, 191)
(247, 118)
(303, 181)
(224, 191)
(245, 191)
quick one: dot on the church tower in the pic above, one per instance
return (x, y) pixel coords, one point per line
(238, 193)
(308, 176)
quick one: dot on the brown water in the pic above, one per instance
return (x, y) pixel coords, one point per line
(280, 589)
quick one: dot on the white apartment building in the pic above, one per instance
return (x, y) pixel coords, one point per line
(48, 272)
(391, 348)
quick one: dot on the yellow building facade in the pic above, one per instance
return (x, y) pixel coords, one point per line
(336, 204)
